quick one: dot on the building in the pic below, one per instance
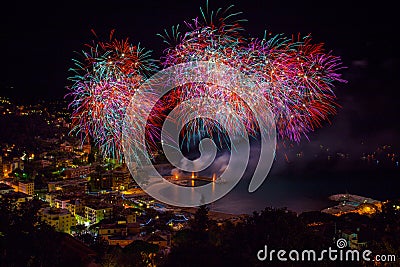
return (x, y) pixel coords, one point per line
(161, 240)
(26, 188)
(16, 197)
(66, 147)
(1, 167)
(353, 241)
(18, 186)
(353, 204)
(51, 186)
(103, 181)
(11, 182)
(50, 198)
(18, 164)
(74, 206)
(70, 186)
(122, 241)
(96, 212)
(86, 148)
(4, 189)
(44, 163)
(121, 178)
(9, 166)
(82, 171)
(60, 219)
(60, 202)
(120, 229)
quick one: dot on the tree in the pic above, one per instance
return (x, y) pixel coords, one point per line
(137, 254)
(24, 239)
(78, 229)
(200, 222)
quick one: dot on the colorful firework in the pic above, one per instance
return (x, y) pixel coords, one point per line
(103, 84)
(294, 75)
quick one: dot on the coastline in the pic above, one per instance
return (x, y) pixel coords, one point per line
(215, 215)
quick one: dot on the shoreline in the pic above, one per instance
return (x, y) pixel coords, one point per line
(215, 215)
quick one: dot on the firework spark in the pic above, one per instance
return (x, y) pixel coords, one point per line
(103, 84)
(295, 76)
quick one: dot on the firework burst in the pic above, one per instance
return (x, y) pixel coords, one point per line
(295, 76)
(103, 84)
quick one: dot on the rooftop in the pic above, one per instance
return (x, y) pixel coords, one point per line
(14, 194)
(117, 225)
(98, 205)
(156, 238)
(5, 187)
(55, 211)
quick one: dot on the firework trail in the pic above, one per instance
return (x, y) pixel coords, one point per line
(295, 76)
(103, 84)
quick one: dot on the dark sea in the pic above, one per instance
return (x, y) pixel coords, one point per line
(306, 184)
(304, 192)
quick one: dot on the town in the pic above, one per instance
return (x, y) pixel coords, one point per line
(92, 200)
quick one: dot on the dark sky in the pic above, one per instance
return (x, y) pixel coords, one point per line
(38, 41)
(38, 38)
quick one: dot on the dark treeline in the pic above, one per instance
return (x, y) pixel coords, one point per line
(26, 241)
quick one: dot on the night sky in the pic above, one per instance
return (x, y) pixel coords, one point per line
(38, 41)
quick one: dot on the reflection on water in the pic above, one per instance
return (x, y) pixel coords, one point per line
(305, 192)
